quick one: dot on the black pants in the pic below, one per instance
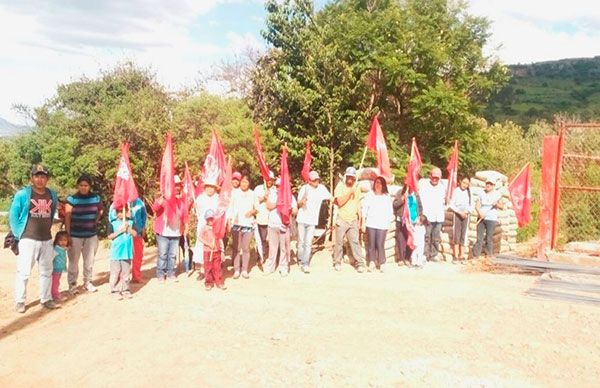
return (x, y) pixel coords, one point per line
(432, 240)
(487, 228)
(403, 251)
(376, 245)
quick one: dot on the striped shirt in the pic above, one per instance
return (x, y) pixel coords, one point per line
(84, 214)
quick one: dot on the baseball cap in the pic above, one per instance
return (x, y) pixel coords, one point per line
(313, 176)
(490, 180)
(436, 173)
(350, 171)
(271, 175)
(237, 176)
(39, 169)
(210, 213)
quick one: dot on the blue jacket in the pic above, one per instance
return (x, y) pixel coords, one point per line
(139, 215)
(19, 210)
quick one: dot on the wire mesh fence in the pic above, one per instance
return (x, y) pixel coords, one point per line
(580, 183)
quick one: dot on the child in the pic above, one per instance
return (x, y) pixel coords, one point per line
(121, 253)
(418, 255)
(212, 253)
(59, 264)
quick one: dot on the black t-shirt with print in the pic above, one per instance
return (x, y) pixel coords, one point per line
(39, 221)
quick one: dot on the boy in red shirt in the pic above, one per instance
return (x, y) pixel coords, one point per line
(212, 253)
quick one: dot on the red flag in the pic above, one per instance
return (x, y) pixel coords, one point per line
(188, 191)
(167, 179)
(307, 163)
(125, 190)
(220, 222)
(215, 164)
(264, 169)
(376, 142)
(520, 195)
(414, 167)
(452, 172)
(284, 191)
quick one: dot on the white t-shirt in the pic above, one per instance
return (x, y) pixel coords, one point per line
(203, 203)
(262, 214)
(487, 201)
(309, 213)
(377, 211)
(241, 203)
(433, 198)
(461, 200)
(274, 217)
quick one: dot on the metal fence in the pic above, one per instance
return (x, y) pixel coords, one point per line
(579, 182)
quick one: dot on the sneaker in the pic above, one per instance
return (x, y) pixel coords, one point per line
(127, 294)
(372, 266)
(381, 268)
(20, 308)
(236, 275)
(173, 279)
(161, 280)
(283, 273)
(222, 287)
(50, 305)
(305, 269)
(73, 290)
(117, 295)
(208, 287)
(337, 267)
(360, 269)
(89, 287)
(245, 275)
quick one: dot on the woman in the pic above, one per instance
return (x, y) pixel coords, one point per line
(242, 219)
(378, 213)
(82, 214)
(403, 251)
(460, 204)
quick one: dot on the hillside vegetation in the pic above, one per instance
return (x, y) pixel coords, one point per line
(541, 90)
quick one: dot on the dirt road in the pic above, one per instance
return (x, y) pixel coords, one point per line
(443, 326)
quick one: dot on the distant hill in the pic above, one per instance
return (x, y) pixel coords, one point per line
(8, 129)
(542, 89)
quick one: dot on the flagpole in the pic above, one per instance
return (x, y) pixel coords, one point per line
(362, 160)
(519, 173)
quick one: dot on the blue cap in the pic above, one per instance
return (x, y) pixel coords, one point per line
(210, 213)
(350, 171)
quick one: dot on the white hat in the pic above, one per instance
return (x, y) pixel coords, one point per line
(177, 179)
(210, 182)
(313, 176)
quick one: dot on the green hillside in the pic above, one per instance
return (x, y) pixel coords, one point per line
(541, 90)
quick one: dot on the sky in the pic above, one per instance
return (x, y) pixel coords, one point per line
(48, 43)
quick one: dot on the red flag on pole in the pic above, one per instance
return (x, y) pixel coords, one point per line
(264, 169)
(307, 162)
(284, 191)
(520, 195)
(452, 172)
(414, 167)
(167, 179)
(215, 164)
(220, 222)
(376, 142)
(125, 190)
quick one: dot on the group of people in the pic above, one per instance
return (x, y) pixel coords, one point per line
(251, 214)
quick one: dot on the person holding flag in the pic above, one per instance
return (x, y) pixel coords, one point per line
(347, 197)
(311, 197)
(401, 200)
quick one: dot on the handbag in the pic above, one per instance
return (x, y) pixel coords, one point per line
(11, 242)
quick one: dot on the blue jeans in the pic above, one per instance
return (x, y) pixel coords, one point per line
(305, 238)
(167, 251)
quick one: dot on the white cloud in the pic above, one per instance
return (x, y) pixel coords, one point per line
(530, 31)
(48, 43)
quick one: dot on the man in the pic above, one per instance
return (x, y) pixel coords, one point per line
(311, 197)
(31, 213)
(487, 205)
(236, 177)
(279, 236)
(168, 233)
(433, 197)
(262, 193)
(139, 217)
(208, 200)
(347, 199)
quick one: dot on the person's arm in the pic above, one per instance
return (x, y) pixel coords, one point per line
(398, 202)
(68, 213)
(500, 204)
(302, 194)
(15, 212)
(122, 229)
(341, 200)
(158, 206)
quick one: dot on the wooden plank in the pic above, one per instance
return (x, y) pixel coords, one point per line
(516, 261)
